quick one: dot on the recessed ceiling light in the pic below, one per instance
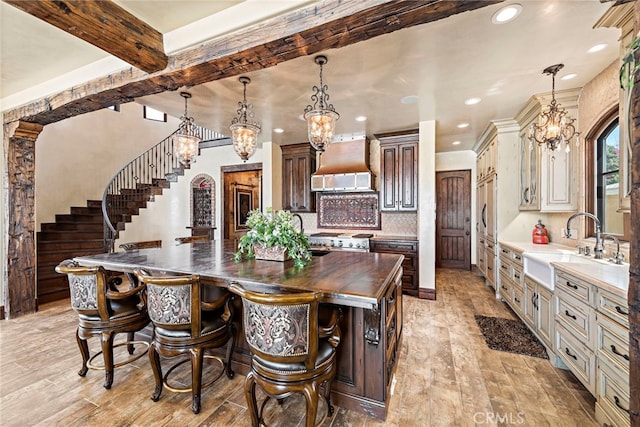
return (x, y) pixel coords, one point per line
(456, 143)
(568, 76)
(597, 48)
(472, 101)
(361, 119)
(506, 14)
(462, 125)
(278, 130)
(409, 99)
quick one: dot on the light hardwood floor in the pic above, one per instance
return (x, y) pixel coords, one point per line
(446, 376)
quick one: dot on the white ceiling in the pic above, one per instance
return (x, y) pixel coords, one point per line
(442, 63)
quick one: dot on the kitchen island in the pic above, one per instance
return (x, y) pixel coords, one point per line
(367, 287)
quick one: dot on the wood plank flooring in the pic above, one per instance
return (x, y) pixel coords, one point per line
(446, 376)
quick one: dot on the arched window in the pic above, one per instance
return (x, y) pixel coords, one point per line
(203, 202)
(603, 174)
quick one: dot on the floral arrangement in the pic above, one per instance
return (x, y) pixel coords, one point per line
(274, 229)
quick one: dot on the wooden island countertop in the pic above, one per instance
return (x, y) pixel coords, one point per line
(355, 279)
(366, 286)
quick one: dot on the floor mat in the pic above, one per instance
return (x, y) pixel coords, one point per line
(510, 335)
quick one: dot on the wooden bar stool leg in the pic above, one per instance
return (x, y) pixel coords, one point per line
(154, 361)
(196, 378)
(107, 354)
(84, 352)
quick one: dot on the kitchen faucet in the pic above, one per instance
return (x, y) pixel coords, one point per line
(617, 256)
(598, 249)
(300, 219)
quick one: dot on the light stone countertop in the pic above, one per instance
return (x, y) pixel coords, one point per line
(608, 276)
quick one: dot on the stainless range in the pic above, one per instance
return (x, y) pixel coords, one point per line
(340, 241)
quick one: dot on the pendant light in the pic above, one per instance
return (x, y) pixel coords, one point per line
(321, 117)
(553, 126)
(187, 138)
(244, 132)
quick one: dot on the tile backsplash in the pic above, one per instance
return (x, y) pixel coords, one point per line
(393, 224)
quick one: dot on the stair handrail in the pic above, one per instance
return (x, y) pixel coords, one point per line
(158, 162)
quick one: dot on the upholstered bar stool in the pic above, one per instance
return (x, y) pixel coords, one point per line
(192, 239)
(291, 352)
(131, 246)
(184, 324)
(134, 246)
(104, 313)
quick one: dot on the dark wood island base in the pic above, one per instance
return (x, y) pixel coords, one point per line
(366, 286)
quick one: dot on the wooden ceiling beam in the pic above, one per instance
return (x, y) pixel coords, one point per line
(103, 24)
(325, 25)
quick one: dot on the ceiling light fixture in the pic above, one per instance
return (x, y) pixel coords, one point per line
(553, 126)
(187, 137)
(409, 99)
(278, 130)
(462, 125)
(456, 143)
(597, 48)
(361, 119)
(472, 101)
(569, 76)
(244, 131)
(321, 117)
(506, 14)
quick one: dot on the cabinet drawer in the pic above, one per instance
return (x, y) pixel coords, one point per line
(576, 316)
(575, 287)
(614, 306)
(394, 247)
(516, 274)
(612, 398)
(579, 358)
(517, 259)
(518, 297)
(505, 268)
(506, 289)
(613, 342)
(410, 262)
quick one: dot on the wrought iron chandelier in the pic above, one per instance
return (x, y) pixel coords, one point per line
(321, 117)
(244, 131)
(187, 138)
(553, 127)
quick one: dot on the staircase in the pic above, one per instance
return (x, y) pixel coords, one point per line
(93, 229)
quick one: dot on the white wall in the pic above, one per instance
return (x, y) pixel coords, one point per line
(427, 203)
(169, 215)
(77, 157)
(462, 160)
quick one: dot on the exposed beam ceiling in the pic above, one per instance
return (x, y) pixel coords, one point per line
(103, 24)
(326, 25)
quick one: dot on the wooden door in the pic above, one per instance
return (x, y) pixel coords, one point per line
(453, 219)
(242, 193)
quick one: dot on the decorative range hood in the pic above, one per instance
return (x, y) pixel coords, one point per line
(344, 166)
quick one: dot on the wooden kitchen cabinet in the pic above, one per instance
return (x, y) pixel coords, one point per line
(298, 163)
(399, 171)
(408, 248)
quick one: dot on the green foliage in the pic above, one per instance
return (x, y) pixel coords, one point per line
(274, 228)
(629, 66)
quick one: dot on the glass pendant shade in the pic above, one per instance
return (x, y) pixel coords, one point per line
(321, 117)
(321, 125)
(553, 126)
(244, 132)
(187, 138)
(245, 139)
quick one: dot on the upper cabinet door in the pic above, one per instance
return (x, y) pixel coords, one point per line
(528, 175)
(298, 163)
(398, 172)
